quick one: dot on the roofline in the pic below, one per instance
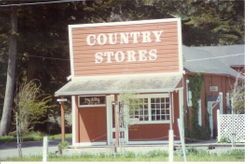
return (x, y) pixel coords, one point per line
(216, 74)
(147, 21)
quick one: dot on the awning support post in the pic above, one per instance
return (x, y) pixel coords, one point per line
(61, 102)
(117, 130)
(171, 132)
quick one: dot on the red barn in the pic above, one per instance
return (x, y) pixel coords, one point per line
(110, 59)
(144, 58)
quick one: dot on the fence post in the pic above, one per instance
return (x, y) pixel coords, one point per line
(45, 148)
(182, 138)
(170, 145)
(218, 126)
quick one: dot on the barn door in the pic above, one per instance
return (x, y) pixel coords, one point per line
(212, 107)
(123, 129)
(111, 108)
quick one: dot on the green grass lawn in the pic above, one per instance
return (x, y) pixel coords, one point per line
(156, 155)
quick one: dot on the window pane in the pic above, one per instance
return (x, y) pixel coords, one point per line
(163, 117)
(168, 117)
(160, 108)
(140, 109)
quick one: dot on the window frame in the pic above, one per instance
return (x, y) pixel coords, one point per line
(149, 97)
(92, 105)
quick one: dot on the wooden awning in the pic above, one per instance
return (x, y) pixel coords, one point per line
(136, 83)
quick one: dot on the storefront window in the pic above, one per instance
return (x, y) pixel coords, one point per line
(151, 109)
(160, 109)
(139, 109)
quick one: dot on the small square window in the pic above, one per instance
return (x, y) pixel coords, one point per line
(89, 101)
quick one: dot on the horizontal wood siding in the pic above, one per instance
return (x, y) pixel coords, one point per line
(167, 50)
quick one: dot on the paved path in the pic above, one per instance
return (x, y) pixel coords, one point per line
(34, 148)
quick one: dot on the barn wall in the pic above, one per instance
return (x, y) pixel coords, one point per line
(84, 60)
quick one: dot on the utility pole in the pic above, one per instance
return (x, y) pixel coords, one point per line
(10, 82)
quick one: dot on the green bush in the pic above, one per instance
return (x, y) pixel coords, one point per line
(7, 138)
(62, 145)
(224, 140)
(32, 136)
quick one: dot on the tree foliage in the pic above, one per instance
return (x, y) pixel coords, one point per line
(238, 96)
(43, 36)
(32, 104)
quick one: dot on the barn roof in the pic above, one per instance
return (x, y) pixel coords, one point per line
(214, 59)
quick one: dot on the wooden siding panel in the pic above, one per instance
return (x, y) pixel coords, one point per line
(167, 50)
(148, 132)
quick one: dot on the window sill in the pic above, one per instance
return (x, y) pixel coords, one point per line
(150, 122)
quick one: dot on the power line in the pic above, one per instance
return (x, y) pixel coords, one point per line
(47, 57)
(39, 3)
(215, 57)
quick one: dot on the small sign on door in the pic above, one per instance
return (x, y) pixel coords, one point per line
(213, 88)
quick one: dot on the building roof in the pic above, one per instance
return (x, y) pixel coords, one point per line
(146, 83)
(214, 59)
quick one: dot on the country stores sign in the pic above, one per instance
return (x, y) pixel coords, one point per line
(147, 46)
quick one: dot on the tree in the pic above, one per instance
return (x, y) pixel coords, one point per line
(4, 28)
(207, 22)
(43, 37)
(31, 105)
(238, 96)
(10, 84)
